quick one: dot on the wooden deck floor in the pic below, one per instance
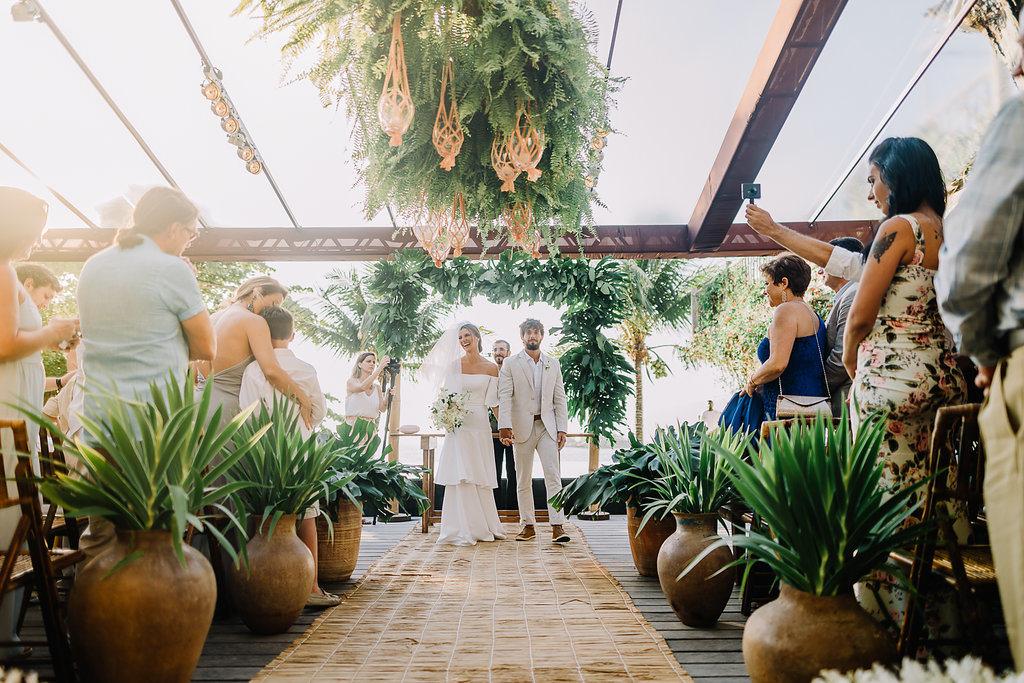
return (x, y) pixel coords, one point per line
(232, 653)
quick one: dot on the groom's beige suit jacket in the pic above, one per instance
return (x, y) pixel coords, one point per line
(517, 396)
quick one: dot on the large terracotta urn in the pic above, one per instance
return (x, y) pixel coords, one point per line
(698, 598)
(338, 555)
(791, 639)
(646, 544)
(146, 621)
(271, 595)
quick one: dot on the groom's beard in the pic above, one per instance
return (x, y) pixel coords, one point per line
(532, 346)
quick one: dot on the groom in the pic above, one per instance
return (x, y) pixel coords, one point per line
(532, 414)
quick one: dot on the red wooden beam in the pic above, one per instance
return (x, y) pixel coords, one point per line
(369, 244)
(794, 42)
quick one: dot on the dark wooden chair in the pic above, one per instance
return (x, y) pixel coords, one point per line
(55, 523)
(28, 562)
(940, 558)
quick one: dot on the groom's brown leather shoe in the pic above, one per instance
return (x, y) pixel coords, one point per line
(557, 535)
(527, 534)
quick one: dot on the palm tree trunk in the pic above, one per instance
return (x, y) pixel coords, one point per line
(639, 393)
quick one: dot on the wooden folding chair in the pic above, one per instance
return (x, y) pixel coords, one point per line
(37, 566)
(968, 568)
(55, 523)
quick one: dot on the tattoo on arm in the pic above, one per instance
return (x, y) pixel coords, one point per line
(882, 245)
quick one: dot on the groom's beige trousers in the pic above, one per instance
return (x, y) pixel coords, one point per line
(540, 442)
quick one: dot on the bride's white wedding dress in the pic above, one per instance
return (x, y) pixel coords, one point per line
(466, 470)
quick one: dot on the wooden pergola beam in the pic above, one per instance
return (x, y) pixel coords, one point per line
(793, 44)
(369, 244)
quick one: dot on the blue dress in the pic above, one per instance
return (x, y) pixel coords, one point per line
(803, 376)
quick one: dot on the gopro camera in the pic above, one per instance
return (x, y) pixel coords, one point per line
(750, 191)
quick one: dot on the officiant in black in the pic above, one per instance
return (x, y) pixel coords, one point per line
(505, 495)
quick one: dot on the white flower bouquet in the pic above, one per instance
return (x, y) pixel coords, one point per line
(449, 410)
(966, 670)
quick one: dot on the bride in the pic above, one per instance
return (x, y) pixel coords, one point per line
(466, 463)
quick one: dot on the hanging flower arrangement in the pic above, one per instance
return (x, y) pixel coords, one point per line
(517, 89)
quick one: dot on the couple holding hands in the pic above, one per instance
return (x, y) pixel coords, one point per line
(532, 414)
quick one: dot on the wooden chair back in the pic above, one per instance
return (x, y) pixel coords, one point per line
(41, 570)
(56, 523)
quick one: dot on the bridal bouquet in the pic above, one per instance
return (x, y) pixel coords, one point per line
(449, 410)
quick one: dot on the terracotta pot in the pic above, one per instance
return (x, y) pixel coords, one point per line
(794, 637)
(645, 547)
(698, 598)
(337, 558)
(273, 593)
(148, 620)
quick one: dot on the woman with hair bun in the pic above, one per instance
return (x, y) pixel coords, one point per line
(243, 336)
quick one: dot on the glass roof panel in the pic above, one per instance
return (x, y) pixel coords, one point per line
(872, 55)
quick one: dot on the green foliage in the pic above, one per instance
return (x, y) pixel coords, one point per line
(695, 477)
(218, 280)
(152, 465)
(504, 52)
(375, 482)
(817, 487)
(629, 476)
(734, 318)
(286, 473)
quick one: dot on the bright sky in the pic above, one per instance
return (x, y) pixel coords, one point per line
(686, 64)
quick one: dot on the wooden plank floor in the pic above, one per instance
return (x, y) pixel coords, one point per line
(714, 655)
(232, 653)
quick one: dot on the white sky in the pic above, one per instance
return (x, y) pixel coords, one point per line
(686, 61)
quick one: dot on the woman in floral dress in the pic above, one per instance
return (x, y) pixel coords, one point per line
(896, 347)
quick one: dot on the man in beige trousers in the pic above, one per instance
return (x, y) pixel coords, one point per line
(533, 415)
(980, 285)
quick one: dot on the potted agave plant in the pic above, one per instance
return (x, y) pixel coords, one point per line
(373, 482)
(141, 609)
(287, 476)
(629, 480)
(694, 487)
(828, 522)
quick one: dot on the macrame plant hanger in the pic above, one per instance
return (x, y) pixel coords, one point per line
(394, 108)
(501, 161)
(458, 228)
(448, 135)
(526, 144)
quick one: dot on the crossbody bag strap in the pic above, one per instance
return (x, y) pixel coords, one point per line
(821, 358)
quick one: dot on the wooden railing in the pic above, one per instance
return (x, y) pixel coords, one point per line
(428, 444)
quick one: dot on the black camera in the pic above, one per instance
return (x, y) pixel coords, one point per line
(393, 367)
(750, 191)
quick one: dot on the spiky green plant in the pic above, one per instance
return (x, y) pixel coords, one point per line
(152, 464)
(630, 475)
(695, 477)
(375, 481)
(828, 520)
(287, 473)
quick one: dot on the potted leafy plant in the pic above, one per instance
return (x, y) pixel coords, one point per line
(374, 483)
(694, 487)
(628, 479)
(828, 522)
(288, 475)
(140, 610)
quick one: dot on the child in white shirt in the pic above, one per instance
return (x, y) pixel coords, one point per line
(255, 387)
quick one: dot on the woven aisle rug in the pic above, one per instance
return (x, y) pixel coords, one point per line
(502, 611)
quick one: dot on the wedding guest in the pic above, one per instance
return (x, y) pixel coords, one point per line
(142, 314)
(243, 337)
(710, 416)
(896, 347)
(255, 387)
(40, 282)
(838, 378)
(22, 337)
(64, 407)
(364, 399)
(980, 286)
(503, 497)
(792, 354)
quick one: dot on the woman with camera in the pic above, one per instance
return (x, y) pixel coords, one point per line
(364, 399)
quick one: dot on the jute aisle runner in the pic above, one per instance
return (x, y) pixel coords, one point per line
(502, 611)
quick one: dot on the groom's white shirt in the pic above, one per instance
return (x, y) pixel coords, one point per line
(518, 394)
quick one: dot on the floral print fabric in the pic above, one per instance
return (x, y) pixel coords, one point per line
(906, 367)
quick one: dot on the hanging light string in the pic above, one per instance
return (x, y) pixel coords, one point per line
(231, 122)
